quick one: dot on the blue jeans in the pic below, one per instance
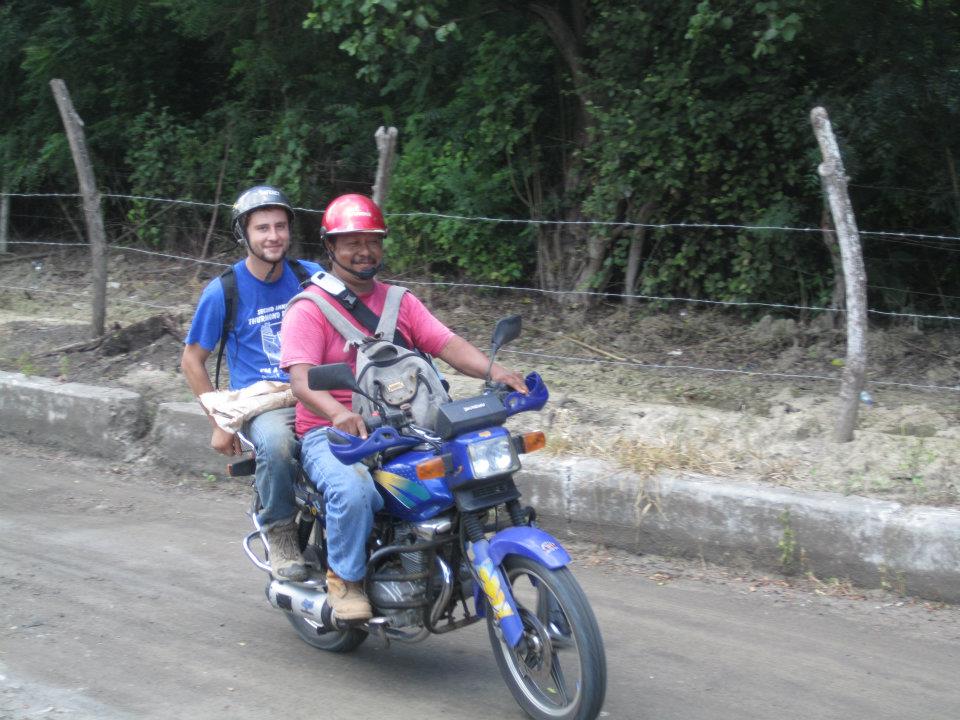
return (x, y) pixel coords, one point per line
(351, 499)
(277, 451)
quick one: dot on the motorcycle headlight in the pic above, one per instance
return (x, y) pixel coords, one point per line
(495, 456)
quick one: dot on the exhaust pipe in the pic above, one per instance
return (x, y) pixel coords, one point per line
(306, 601)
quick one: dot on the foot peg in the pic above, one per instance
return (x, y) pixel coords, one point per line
(377, 627)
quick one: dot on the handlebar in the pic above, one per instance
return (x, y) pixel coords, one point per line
(372, 421)
(396, 429)
(496, 388)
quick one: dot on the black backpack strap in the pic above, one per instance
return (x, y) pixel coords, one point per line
(228, 280)
(301, 271)
(368, 318)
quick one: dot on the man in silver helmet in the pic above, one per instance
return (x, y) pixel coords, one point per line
(241, 311)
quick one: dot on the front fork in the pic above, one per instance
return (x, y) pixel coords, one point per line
(486, 557)
(491, 580)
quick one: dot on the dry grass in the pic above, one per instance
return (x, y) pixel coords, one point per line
(645, 459)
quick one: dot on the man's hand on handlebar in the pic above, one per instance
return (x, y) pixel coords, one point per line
(350, 422)
(514, 380)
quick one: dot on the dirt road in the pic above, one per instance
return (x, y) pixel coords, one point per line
(127, 595)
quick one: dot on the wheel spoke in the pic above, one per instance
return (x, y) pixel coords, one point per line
(543, 602)
(559, 681)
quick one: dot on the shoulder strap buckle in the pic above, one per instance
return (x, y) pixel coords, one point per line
(334, 285)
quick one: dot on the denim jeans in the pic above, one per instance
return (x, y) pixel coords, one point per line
(351, 499)
(277, 451)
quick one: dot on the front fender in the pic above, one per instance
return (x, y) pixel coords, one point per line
(529, 542)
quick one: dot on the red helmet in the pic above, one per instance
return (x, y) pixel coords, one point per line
(350, 214)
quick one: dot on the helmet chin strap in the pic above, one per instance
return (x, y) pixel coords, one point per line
(266, 278)
(273, 264)
(361, 274)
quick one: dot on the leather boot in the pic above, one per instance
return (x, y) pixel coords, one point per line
(346, 599)
(286, 562)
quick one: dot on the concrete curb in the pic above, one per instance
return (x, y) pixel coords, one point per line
(94, 420)
(911, 549)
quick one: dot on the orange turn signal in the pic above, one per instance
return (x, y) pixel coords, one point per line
(432, 468)
(533, 441)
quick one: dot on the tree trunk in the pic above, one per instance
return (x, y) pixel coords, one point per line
(835, 182)
(581, 253)
(952, 170)
(216, 206)
(91, 203)
(635, 255)
(4, 216)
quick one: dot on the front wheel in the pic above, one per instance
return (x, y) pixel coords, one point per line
(558, 670)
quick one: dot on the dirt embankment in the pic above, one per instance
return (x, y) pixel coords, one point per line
(764, 414)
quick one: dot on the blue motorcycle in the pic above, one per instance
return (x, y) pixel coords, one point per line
(454, 545)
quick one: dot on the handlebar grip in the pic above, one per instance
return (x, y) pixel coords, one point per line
(497, 388)
(334, 439)
(372, 421)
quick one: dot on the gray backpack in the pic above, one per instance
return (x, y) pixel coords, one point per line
(401, 379)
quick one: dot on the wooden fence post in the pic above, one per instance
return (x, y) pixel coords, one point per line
(386, 147)
(91, 203)
(855, 277)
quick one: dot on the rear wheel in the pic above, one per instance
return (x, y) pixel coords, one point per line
(338, 641)
(311, 632)
(558, 670)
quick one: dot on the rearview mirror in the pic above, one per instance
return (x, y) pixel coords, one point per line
(337, 376)
(507, 329)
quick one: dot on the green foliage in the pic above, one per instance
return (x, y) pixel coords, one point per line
(281, 155)
(791, 555)
(591, 109)
(371, 31)
(706, 114)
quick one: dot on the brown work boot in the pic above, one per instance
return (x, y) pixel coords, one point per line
(286, 562)
(346, 599)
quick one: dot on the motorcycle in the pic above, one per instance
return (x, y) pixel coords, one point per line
(452, 546)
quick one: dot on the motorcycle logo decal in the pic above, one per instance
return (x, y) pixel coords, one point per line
(407, 492)
(490, 581)
(307, 606)
(549, 547)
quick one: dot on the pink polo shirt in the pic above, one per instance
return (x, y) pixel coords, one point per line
(308, 337)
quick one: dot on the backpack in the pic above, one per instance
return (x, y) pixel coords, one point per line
(399, 378)
(231, 300)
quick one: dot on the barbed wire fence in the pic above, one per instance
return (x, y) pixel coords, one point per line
(934, 241)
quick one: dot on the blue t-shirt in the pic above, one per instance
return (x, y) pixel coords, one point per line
(253, 346)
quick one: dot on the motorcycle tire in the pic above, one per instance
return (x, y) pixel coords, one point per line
(336, 641)
(559, 670)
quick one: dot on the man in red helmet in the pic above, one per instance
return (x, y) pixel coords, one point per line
(353, 231)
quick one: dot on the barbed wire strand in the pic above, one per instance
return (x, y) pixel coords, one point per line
(123, 248)
(651, 298)
(580, 360)
(87, 297)
(531, 221)
(731, 371)
(657, 298)
(198, 260)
